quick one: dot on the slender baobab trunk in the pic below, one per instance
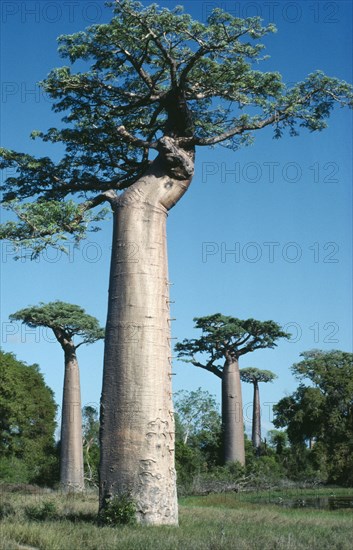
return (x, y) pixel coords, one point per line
(256, 417)
(71, 458)
(137, 421)
(232, 413)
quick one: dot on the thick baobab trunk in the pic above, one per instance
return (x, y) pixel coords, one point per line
(256, 418)
(71, 457)
(232, 413)
(137, 422)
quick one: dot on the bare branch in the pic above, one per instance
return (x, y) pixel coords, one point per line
(118, 183)
(242, 341)
(200, 52)
(108, 196)
(141, 100)
(129, 138)
(231, 132)
(209, 366)
(138, 68)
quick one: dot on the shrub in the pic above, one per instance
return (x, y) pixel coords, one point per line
(119, 510)
(47, 510)
(14, 470)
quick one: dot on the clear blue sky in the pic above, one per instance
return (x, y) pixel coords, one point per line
(265, 232)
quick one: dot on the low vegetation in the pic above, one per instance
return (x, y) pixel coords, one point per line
(54, 521)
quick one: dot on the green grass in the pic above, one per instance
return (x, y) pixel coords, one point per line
(229, 521)
(274, 495)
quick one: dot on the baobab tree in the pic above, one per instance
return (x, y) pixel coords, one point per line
(67, 321)
(224, 340)
(157, 85)
(254, 376)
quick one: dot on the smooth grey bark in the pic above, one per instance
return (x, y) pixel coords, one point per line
(256, 417)
(232, 412)
(137, 419)
(71, 455)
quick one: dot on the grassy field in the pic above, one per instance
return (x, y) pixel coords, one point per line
(230, 521)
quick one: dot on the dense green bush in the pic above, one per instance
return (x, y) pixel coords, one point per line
(320, 411)
(27, 424)
(119, 510)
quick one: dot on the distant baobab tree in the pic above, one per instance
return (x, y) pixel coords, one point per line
(224, 340)
(67, 321)
(254, 376)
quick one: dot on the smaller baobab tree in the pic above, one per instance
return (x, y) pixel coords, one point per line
(254, 376)
(67, 321)
(225, 339)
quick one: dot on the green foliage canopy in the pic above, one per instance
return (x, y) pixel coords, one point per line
(278, 440)
(150, 73)
(198, 415)
(90, 434)
(66, 320)
(27, 423)
(253, 375)
(222, 335)
(325, 408)
(322, 411)
(198, 433)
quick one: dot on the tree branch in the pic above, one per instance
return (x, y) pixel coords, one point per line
(171, 62)
(141, 100)
(200, 52)
(241, 342)
(252, 347)
(278, 116)
(231, 133)
(204, 49)
(108, 196)
(209, 366)
(138, 68)
(129, 138)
